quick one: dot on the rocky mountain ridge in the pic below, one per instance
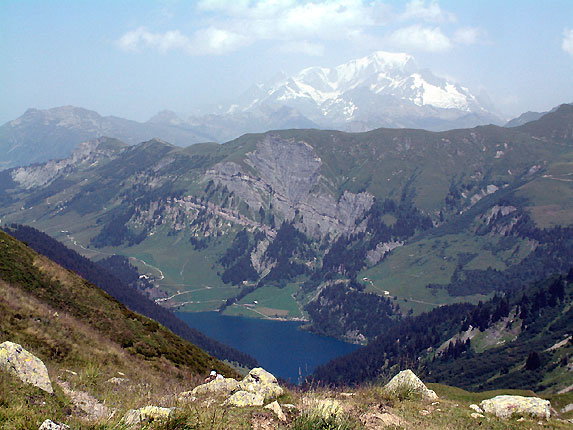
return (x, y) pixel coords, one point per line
(381, 90)
(350, 94)
(302, 212)
(41, 135)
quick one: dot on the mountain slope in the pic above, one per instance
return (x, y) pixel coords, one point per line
(57, 313)
(524, 118)
(520, 340)
(41, 135)
(127, 295)
(420, 218)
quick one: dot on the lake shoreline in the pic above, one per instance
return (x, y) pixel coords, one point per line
(279, 345)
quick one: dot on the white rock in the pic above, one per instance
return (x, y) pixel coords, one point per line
(276, 408)
(476, 408)
(26, 366)
(506, 406)
(407, 381)
(50, 425)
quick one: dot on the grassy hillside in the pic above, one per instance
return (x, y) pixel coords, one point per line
(83, 334)
(520, 340)
(102, 276)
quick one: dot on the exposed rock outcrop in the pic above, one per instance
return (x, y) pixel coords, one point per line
(135, 416)
(407, 382)
(379, 420)
(244, 398)
(85, 402)
(223, 386)
(276, 408)
(507, 406)
(258, 387)
(289, 179)
(50, 425)
(259, 381)
(375, 255)
(26, 366)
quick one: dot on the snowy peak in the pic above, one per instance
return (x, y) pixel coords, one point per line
(385, 83)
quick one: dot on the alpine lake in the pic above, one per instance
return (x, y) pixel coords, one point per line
(280, 347)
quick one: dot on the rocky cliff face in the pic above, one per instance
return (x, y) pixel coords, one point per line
(289, 180)
(86, 154)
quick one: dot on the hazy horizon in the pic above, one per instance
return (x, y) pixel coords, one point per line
(133, 59)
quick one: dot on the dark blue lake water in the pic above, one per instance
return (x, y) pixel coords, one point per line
(279, 346)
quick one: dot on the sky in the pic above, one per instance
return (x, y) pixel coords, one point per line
(134, 58)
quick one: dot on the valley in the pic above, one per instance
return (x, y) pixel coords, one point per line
(286, 215)
(262, 225)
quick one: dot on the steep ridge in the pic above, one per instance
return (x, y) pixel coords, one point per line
(519, 340)
(41, 135)
(421, 219)
(125, 294)
(59, 314)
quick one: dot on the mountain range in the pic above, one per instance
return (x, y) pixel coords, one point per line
(380, 90)
(346, 230)
(41, 135)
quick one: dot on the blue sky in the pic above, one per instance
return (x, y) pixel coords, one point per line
(135, 58)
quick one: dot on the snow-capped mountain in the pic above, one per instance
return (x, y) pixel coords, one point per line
(381, 90)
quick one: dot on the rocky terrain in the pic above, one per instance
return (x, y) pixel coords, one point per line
(259, 402)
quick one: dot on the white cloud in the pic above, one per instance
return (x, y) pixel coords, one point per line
(426, 11)
(470, 36)
(140, 38)
(303, 47)
(421, 38)
(567, 44)
(239, 23)
(306, 27)
(206, 41)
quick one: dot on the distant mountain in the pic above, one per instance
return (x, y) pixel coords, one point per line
(524, 118)
(41, 135)
(381, 90)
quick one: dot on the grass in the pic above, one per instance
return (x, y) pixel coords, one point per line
(551, 196)
(272, 301)
(407, 271)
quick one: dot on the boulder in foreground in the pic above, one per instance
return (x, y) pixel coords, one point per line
(507, 406)
(243, 399)
(259, 381)
(407, 382)
(223, 386)
(24, 365)
(50, 425)
(136, 416)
